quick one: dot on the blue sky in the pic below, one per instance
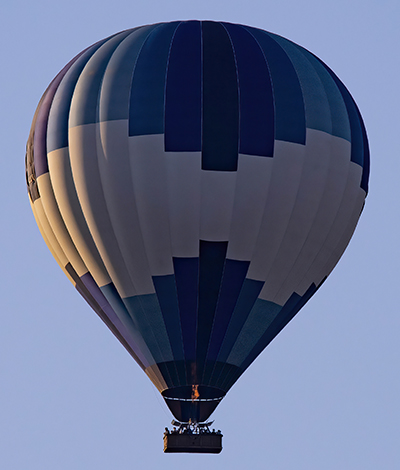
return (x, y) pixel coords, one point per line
(324, 395)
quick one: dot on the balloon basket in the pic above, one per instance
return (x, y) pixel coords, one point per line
(193, 439)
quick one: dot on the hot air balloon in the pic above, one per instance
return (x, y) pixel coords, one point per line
(197, 181)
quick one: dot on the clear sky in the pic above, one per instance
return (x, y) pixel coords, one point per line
(325, 393)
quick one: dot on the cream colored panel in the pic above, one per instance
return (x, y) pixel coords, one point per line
(184, 196)
(340, 231)
(217, 197)
(83, 141)
(71, 212)
(149, 176)
(310, 190)
(116, 178)
(48, 236)
(328, 205)
(346, 236)
(252, 183)
(281, 198)
(57, 225)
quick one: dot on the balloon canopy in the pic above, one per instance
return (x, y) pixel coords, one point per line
(197, 181)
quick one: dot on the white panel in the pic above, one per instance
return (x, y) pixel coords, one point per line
(340, 231)
(49, 236)
(310, 190)
(252, 183)
(217, 197)
(347, 233)
(184, 190)
(329, 203)
(116, 177)
(43, 233)
(57, 225)
(85, 170)
(285, 178)
(150, 185)
(71, 212)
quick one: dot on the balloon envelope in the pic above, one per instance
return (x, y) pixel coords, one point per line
(197, 182)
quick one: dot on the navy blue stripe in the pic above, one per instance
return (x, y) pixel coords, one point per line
(183, 90)
(42, 116)
(289, 310)
(146, 314)
(111, 294)
(146, 111)
(169, 374)
(359, 141)
(228, 377)
(167, 297)
(256, 125)
(232, 282)
(316, 104)
(258, 321)
(117, 82)
(90, 291)
(220, 100)
(213, 378)
(366, 159)
(290, 121)
(248, 295)
(177, 370)
(338, 111)
(187, 283)
(86, 110)
(212, 261)
(57, 129)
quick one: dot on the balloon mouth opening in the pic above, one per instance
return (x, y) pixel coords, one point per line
(193, 393)
(193, 403)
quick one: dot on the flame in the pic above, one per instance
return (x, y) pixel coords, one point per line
(195, 392)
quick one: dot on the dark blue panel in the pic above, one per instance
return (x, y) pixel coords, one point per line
(258, 321)
(220, 100)
(366, 163)
(146, 112)
(146, 314)
(88, 288)
(316, 104)
(42, 116)
(111, 294)
(290, 121)
(359, 141)
(212, 262)
(248, 295)
(187, 283)
(229, 377)
(261, 316)
(117, 82)
(86, 110)
(289, 310)
(183, 91)
(57, 131)
(168, 300)
(338, 111)
(232, 282)
(256, 136)
(169, 374)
